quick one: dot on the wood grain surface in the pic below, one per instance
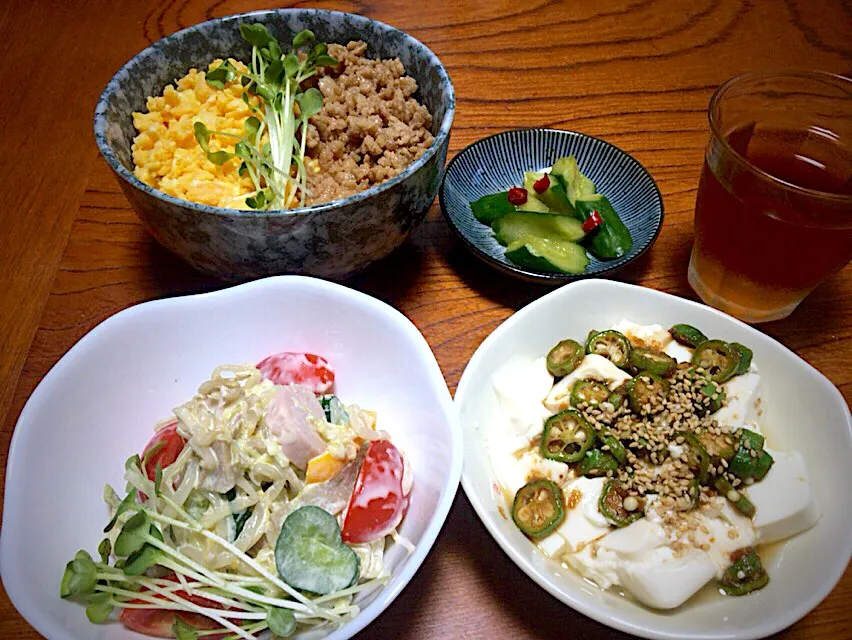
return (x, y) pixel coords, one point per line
(637, 73)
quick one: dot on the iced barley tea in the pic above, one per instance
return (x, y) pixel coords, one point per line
(773, 214)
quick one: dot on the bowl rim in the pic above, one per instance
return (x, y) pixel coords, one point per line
(100, 122)
(567, 594)
(541, 276)
(411, 564)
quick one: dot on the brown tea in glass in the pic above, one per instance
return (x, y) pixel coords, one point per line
(773, 214)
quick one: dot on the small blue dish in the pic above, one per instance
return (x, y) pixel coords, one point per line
(498, 162)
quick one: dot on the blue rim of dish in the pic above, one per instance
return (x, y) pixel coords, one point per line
(121, 170)
(543, 276)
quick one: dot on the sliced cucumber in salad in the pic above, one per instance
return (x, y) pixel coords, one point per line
(310, 554)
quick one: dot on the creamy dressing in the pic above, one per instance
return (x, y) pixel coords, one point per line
(380, 482)
(641, 558)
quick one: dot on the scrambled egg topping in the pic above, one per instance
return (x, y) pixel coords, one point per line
(166, 153)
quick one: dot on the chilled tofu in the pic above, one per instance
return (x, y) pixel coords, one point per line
(663, 581)
(640, 559)
(583, 523)
(634, 541)
(514, 471)
(783, 500)
(678, 351)
(652, 336)
(676, 450)
(592, 367)
(521, 385)
(600, 566)
(552, 545)
(743, 401)
(659, 562)
(725, 531)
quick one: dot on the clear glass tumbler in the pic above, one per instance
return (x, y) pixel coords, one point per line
(773, 214)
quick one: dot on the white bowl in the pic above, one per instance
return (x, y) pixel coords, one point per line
(98, 405)
(805, 412)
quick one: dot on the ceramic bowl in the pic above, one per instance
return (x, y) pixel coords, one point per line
(98, 405)
(331, 240)
(804, 412)
(498, 162)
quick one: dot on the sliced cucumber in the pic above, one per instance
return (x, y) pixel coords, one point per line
(530, 178)
(488, 208)
(533, 204)
(514, 226)
(547, 254)
(575, 183)
(556, 198)
(612, 239)
(310, 555)
(335, 411)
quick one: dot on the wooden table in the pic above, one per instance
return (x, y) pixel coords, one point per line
(638, 73)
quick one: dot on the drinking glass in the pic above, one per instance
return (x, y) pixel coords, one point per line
(773, 214)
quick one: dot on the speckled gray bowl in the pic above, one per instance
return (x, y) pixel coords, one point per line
(332, 240)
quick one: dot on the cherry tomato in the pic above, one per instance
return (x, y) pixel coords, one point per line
(378, 502)
(166, 453)
(158, 622)
(306, 369)
(151, 622)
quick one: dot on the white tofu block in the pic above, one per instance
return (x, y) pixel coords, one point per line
(783, 500)
(583, 523)
(665, 582)
(727, 531)
(677, 351)
(652, 336)
(593, 367)
(634, 541)
(600, 568)
(743, 396)
(551, 545)
(508, 472)
(521, 386)
(513, 472)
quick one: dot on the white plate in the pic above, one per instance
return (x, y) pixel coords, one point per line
(98, 405)
(805, 412)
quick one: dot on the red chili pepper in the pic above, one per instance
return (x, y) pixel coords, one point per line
(592, 222)
(517, 195)
(542, 185)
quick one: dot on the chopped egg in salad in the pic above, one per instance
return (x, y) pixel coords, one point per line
(263, 505)
(637, 458)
